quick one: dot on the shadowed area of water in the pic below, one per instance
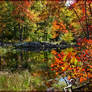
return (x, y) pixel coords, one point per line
(36, 62)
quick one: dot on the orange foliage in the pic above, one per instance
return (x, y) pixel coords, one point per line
(67, 63)
(58, 28)
(69, 77)
(22, 9)
(82, 79)
(76, 64)
(89, 75)
(54, 52)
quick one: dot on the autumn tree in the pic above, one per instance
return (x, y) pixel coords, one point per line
(75, 62)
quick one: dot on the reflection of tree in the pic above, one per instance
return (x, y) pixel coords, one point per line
(0, 62)
(21, 58)
(46, 59)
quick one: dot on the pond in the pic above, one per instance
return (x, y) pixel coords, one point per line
(27, 70)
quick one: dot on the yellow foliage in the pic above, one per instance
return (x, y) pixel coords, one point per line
(68, 37)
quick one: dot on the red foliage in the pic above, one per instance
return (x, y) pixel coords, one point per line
(76, 64)
(75, 69)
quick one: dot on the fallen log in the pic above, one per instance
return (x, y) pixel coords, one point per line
(37, 45)
(41, 45)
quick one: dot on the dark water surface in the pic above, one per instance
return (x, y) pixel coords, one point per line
(37, 63)
(26, 59)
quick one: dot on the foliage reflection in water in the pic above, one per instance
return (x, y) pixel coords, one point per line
(30, 68)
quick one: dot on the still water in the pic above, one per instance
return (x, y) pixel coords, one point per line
(34, 61)
(37, 63)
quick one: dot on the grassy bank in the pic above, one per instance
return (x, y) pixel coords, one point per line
(20, 81)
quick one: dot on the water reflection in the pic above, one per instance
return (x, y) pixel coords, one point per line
(36, 62)
(20, 58)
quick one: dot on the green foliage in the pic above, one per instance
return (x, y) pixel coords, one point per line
(34, 22)
(68, 37)
(3, 51)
